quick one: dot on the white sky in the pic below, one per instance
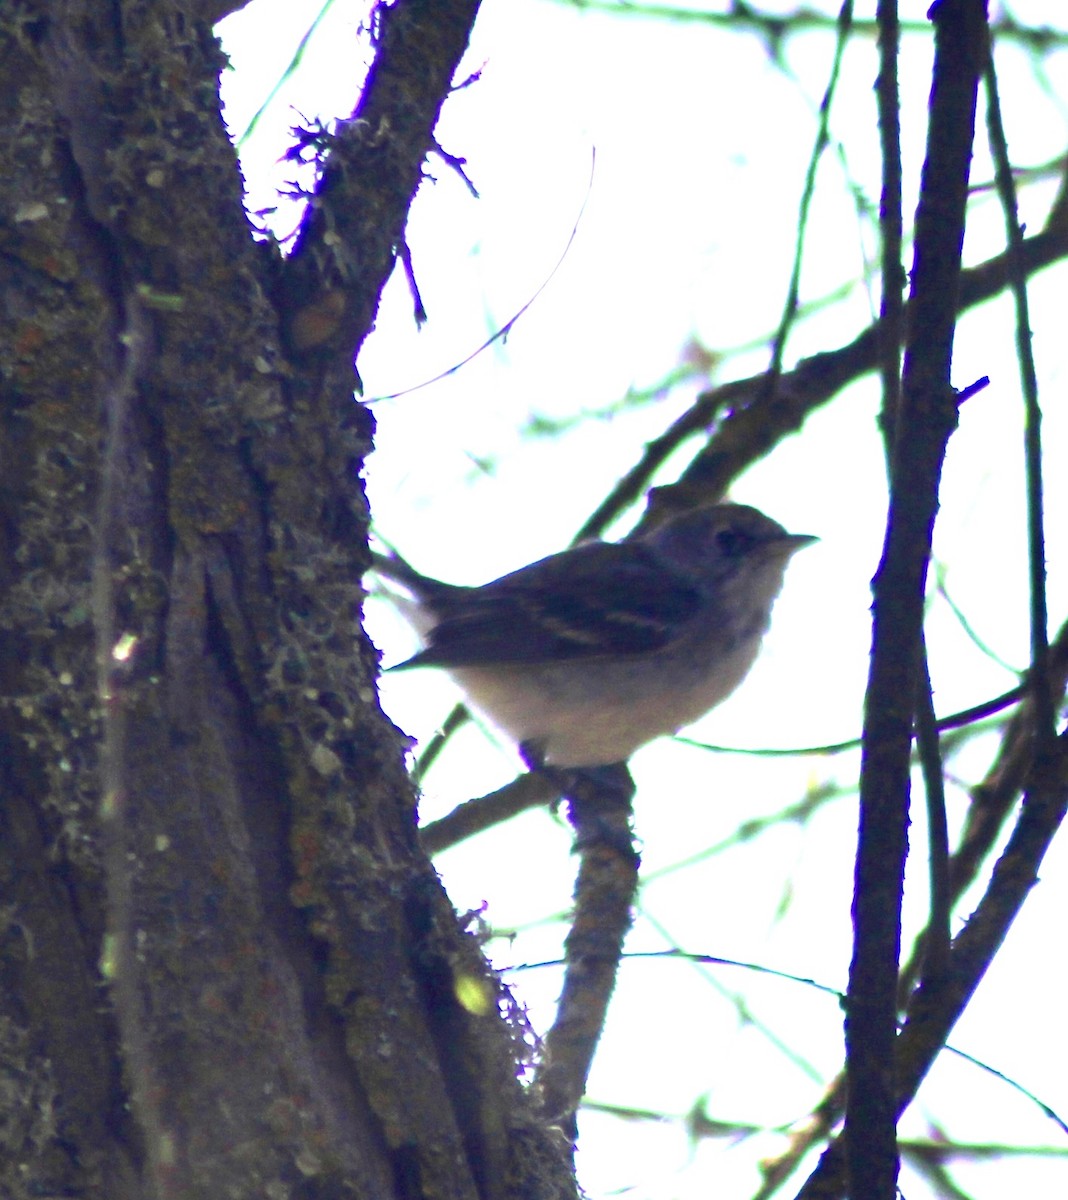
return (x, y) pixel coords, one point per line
(688, 234)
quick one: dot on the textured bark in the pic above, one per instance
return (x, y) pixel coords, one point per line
(226, 966)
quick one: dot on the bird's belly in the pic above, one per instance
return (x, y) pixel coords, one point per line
(601, 712)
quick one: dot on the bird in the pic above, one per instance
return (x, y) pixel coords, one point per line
(587, 655)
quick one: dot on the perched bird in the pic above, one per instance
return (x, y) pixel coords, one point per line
(586, 655)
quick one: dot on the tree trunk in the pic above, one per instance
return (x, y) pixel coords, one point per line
(228, 968)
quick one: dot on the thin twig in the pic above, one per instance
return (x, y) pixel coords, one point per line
(892, 301)
(1036, 540)
(936, 958)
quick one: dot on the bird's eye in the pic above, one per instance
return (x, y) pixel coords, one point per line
(734, 543)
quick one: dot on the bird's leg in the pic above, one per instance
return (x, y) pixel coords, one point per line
(599, 799)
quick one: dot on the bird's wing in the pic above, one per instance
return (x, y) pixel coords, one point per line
(600, 599)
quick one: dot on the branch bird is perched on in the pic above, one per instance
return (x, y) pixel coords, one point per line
(586, 655)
